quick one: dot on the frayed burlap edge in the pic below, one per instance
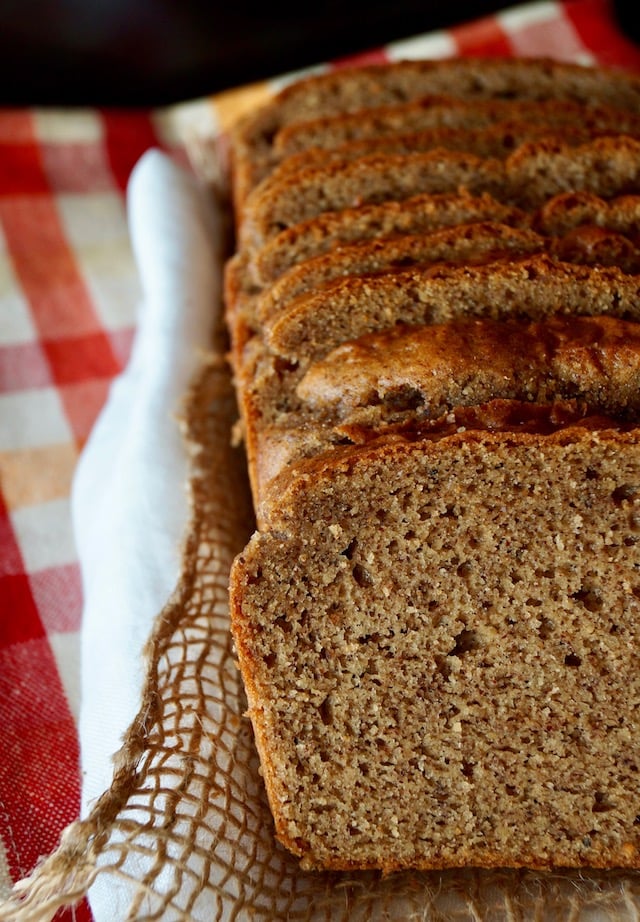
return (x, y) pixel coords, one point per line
(184, 831)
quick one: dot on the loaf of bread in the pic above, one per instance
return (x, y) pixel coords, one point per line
(434, 315)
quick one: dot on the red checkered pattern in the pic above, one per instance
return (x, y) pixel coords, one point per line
(68, 295)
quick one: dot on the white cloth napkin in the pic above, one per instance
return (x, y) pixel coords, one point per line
(129, 502)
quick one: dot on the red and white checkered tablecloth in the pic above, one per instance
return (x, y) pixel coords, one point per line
(68, 298)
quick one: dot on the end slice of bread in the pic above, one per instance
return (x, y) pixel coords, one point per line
(438, 642)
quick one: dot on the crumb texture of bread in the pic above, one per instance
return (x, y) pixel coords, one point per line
(434, 318)
(442, 658)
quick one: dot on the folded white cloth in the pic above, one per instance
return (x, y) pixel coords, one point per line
(129, 501)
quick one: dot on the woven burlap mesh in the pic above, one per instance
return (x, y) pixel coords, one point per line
(184, 832)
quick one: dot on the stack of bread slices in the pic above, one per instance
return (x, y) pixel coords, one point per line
(434, 309)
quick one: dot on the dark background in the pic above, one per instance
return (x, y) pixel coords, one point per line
(151, 52)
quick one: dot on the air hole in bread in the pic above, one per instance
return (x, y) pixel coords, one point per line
(362, 576)
(548, 573)
(464, 570)
(284, 625)
(626, 492)
(601, 804)
(590, 598)
(443, 666)
(326, 711)
(405, 398)
(547, 627)
(350, 549)
(465, 642)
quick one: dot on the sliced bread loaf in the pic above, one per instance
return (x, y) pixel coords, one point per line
(438, 638)
(437, 618)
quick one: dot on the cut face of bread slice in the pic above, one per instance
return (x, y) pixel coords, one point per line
(283, 201)
(532, 287)
(446, 112)
(420, 214)
(533, 173)
(470, 242)
(438, 640)
(371, 87)
(499, 140)
(247, 306)
(477, 242)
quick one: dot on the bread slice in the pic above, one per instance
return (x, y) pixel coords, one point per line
(533, 173)
(447, 112)
(246, 310)
(351, 90)
(423, 213)
(498, 140)
(438, 638)
(246, 277)
(532, 287)
(409, 375)
(476, 242)
(480, 241)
